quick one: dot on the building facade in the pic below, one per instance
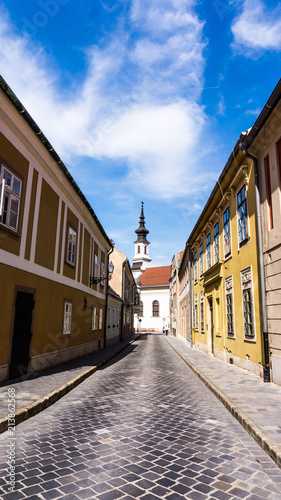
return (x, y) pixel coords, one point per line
(114, 318)
(184, 300)
(155, 299)
(123, 283)
(51, 245)
(174, 293)
(227, 318)
(263, 143)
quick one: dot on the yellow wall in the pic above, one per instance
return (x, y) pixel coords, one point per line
(239, 350)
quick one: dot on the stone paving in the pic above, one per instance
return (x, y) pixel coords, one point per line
(34, 386)
(260, 401)
(142, 427)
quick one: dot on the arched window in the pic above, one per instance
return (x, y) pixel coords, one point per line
(155, 308)
(145, 249)
(138, 248)
(141, 308)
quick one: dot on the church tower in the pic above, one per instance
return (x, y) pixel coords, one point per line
(141, 260)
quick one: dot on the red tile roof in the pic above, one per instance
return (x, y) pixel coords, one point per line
(155, 276)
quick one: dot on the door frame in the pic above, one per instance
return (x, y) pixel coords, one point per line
(210, 323)
(25, 289)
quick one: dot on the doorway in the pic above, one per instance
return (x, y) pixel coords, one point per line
(210, 325)
(22, 333)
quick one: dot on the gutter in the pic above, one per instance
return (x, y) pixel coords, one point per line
(266, 367)
(106, 295)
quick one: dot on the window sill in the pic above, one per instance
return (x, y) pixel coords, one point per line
(9, 231)
(244, 242)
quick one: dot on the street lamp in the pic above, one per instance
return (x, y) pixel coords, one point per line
(95, 280)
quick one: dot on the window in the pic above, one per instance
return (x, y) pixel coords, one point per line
(100, 319)
(102, 269)
(268, 191)
(67, 314)
(11, 187)
(94, 318)
(155, 308)
(226, 233)
(71, 245)
(229, 306)
(117, 317)
(248, 310)
(141, 308)
(201, 259)
(145, 249)
(216, 243)
(195, 266)
(196, 312)
(96, 266)
(109, 317)
(242, 215)
(138, 248)
(202, 317)
(208, 250)
(113, 318)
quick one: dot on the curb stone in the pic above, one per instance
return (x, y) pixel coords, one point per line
(41, 404)
(265, 442)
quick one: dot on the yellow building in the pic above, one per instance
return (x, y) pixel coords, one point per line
(51, 247)
(226, 287)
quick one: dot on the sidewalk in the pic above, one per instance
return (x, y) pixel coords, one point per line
(37, 391)
(255, 404)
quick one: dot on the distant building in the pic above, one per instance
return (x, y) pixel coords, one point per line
(123, 284)
(174, 293)
(155, 299)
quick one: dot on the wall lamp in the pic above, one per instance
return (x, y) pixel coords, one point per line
(95, 280)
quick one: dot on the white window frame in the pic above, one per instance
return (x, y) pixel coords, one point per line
(202, 312)
(201, 256)
(229, 292)
(195, 267)
(196, 312)
(67, 317)
(242, 226)
(94, 318)
(100, 318)
(71, 245)
(9, 194)
(247, 288)
(216, 244)
(226, 234)
(208, 251)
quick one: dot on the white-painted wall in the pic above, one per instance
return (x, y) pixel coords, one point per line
(148, 295)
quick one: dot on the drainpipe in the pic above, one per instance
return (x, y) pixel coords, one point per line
(190, 269)
(106, 297)
(266, 368)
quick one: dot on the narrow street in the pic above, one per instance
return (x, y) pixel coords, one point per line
(142, 427)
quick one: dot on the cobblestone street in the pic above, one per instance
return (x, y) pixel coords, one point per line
(142, 427)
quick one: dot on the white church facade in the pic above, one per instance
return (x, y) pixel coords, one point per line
(153, 283)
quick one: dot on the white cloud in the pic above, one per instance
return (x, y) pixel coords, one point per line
(131, 105)
(257, 28)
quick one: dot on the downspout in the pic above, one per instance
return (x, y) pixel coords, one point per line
(106, 297)
(190, 272)
(266, 368)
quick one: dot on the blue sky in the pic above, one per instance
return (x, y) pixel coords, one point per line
(143, 100)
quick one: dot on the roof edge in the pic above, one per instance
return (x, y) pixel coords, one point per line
(43, 139)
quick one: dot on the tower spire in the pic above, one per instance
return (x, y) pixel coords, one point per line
(142, 231)
(141, 259)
